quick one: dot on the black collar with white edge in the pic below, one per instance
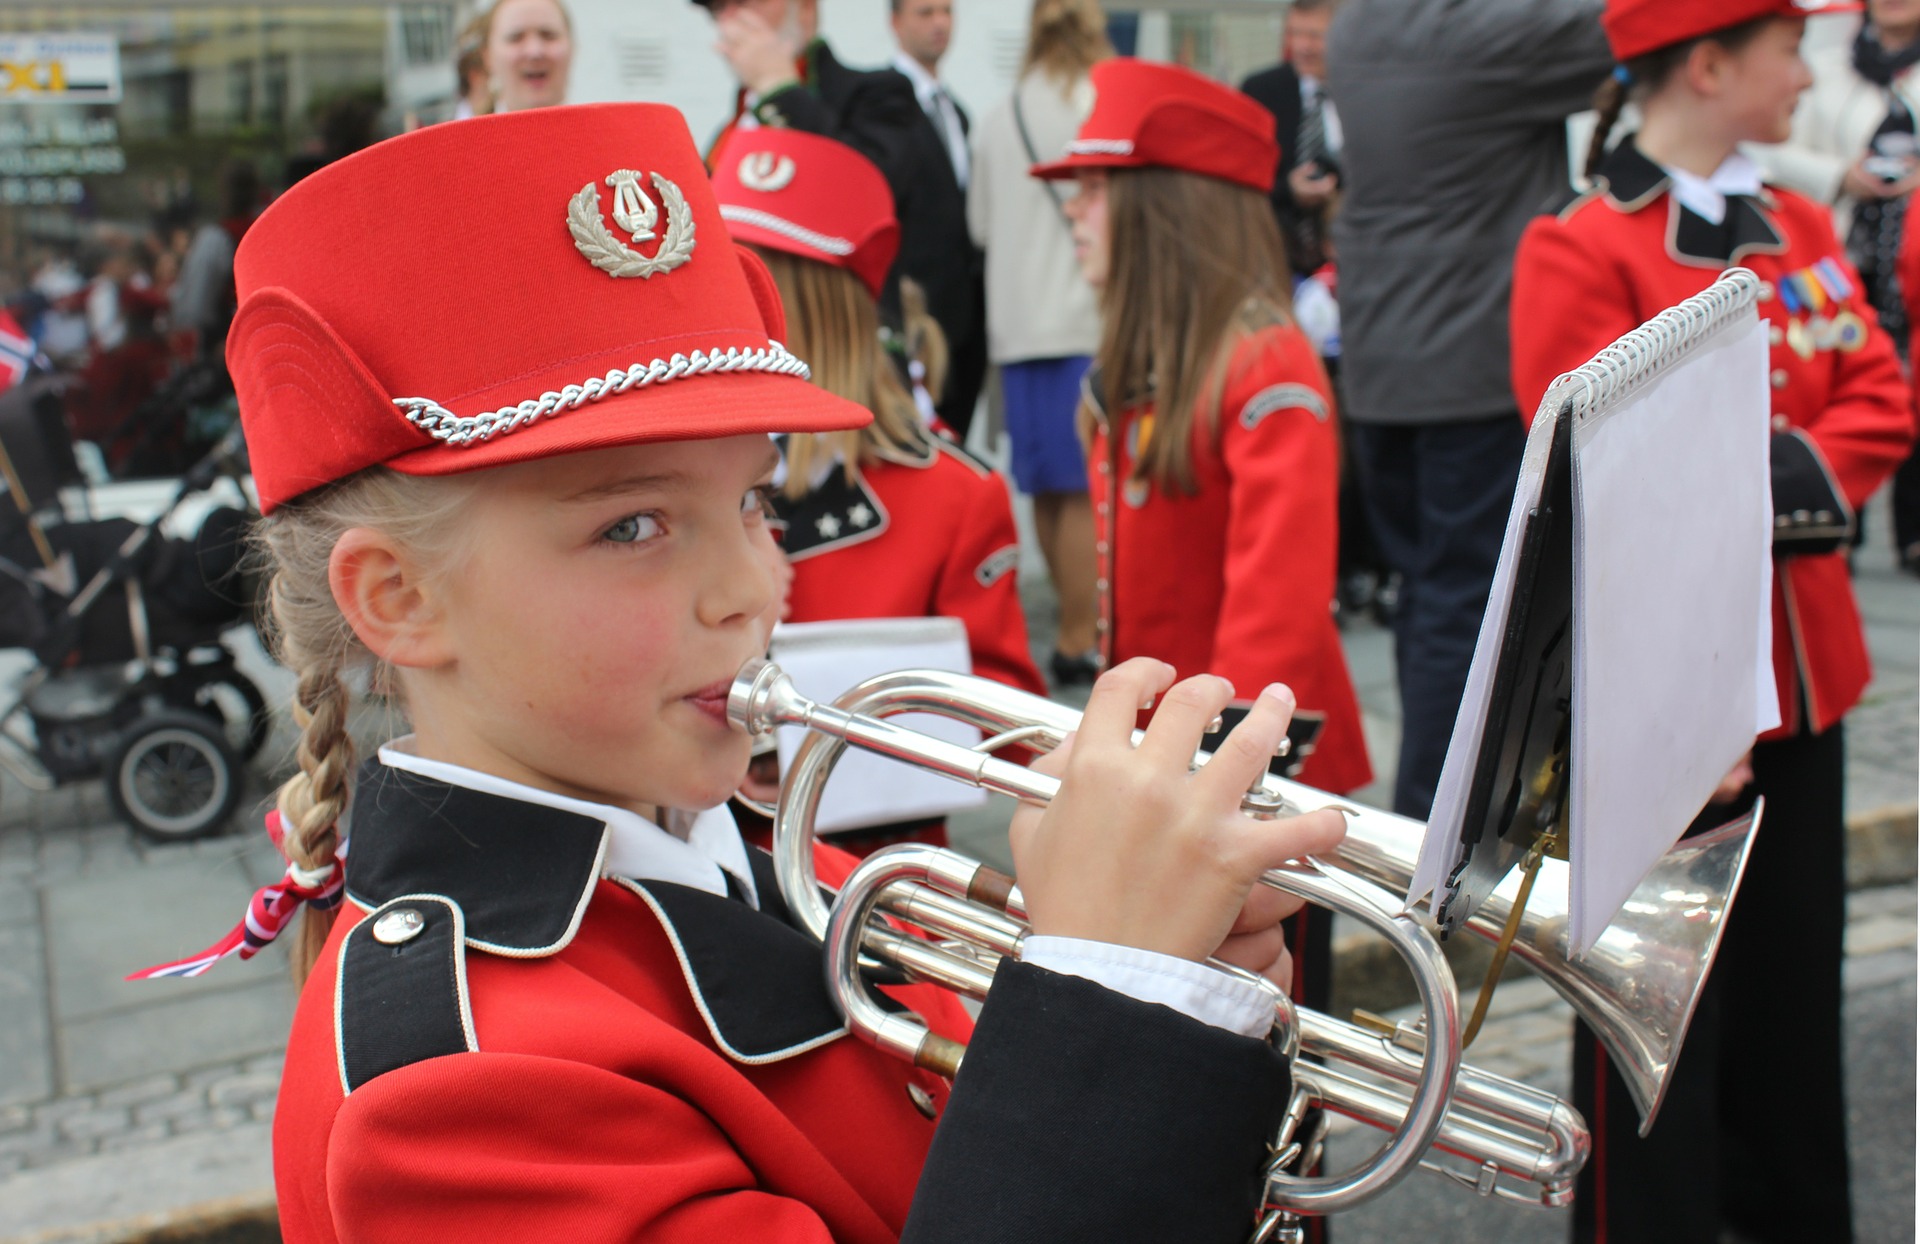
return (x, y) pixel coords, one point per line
(517, 877)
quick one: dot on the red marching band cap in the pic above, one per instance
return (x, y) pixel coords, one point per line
(1149, 115)
(1636, 27)
(502, 289)
(791, 191)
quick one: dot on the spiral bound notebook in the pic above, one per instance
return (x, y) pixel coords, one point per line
(1624, 664)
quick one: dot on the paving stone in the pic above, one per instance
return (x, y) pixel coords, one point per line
(212, 1120)
(135, 1137)
(53, 1154)
(32, 1140)
(60, 856)
(95, 1123)
(15, 1118)
(26, 1043)
(52, 1112)
(267, 1064)
(19, 901)
(228, 1026)
(183, 1104)
(106, 926)
(152, 1088)
(262, 1110)
(243, 1089)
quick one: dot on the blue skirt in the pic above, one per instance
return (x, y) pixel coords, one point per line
(1042, 396)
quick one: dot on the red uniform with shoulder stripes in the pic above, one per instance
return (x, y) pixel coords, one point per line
(933, 538)
(1237, 579)
(1616, 257)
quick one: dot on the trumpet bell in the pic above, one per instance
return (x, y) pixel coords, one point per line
(1638, 986)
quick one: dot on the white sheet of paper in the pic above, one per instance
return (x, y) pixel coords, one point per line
(1673, 525)
(827, 659)
(1440, 849)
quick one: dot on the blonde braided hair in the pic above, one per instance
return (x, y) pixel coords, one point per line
(313, 638)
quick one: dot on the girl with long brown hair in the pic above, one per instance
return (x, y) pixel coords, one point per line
(1215, 463)
(890, 520)
(1214, 457)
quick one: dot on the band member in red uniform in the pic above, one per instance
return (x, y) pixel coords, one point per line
(1214, 459)
(1670, 208)
(561, 1000)
(889, 520)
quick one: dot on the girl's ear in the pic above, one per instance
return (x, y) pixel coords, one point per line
(382, 594)
(1705, 67)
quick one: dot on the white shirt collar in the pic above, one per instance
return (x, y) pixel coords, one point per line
(1706, 197)
(638, 850)
(924, 83)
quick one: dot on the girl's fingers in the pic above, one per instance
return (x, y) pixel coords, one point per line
(1263, 953)
(1240, 757)
(1266, 906)
(1181, 721)
(1276, 842)
(1118, 696)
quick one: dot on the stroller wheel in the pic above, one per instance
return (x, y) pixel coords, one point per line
(232, 699)
(173, 776)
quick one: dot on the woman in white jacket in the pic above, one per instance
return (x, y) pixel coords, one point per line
(1042, 323)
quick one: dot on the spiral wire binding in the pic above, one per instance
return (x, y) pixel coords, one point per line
(1656, 347)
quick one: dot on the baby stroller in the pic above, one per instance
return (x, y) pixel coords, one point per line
(130, 680)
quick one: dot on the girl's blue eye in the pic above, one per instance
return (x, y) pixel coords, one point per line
(759, 500)
(633, 529)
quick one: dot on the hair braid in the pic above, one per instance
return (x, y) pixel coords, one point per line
(1608, 101)
(312, 800)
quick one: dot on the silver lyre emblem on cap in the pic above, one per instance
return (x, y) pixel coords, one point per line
(632, 209)
(766, 171)
(636, 212)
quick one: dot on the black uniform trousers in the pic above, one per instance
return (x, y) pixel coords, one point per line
(1438, 496)
(1752, 1136)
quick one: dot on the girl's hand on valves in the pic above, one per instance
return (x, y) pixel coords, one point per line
(1140, 850)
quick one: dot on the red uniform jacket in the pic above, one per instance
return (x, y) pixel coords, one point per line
(1624, 252)
(1237, 579)
(548, 1054)
(933, 538)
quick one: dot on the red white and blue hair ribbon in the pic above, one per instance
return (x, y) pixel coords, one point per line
(268, 912)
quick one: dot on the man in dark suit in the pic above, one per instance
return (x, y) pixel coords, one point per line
(1308, 128)
(942, 258)
(790, 77)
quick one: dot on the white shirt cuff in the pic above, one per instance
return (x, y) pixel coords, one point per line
(1193, 989)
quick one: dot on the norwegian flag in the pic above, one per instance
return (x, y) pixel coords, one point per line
(17, 351)
(268, 912)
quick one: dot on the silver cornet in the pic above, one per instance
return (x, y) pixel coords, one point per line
(1636, 988)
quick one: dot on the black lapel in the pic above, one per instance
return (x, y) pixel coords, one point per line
(836, 514)
(758, 980)
(522, 873)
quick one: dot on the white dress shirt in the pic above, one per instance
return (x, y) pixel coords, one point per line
(940, 109)
(1330, 118)
(1706, 197)
(711, 850)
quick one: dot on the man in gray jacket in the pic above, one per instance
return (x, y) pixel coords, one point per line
(1454, 114)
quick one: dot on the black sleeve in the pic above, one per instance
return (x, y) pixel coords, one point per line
(1810, 514)
(1102, 1118)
